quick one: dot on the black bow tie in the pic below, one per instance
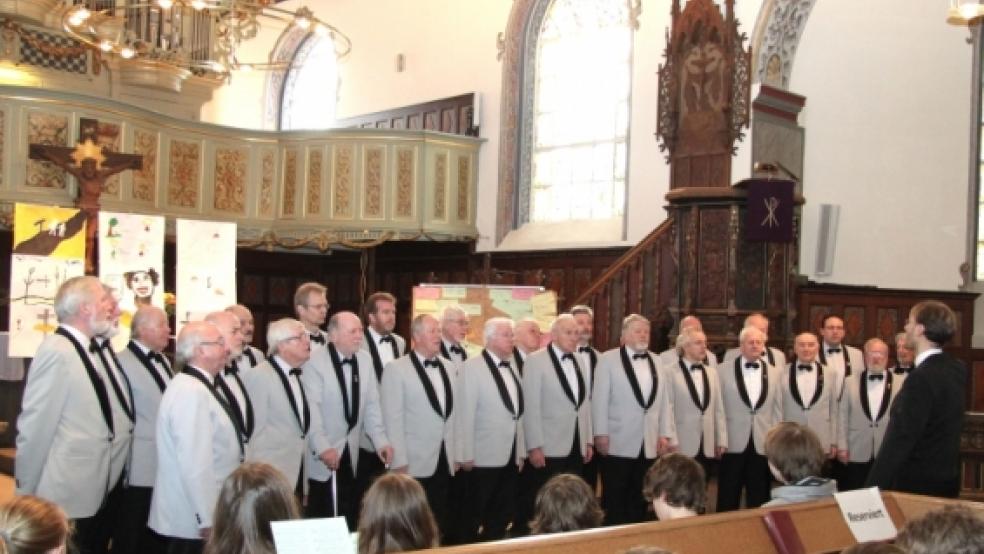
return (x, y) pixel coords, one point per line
(432, 363)
(804, 367)
(696, 367)
(752, 365)
(567, 356)
(317, 338)
(94, 346)
(155, 357)
(346, 361)
(296, 371)
(902, 370)
(231, 370)
(640, 356)
(386, 338)
(876, 377)
(504, 363)
(833, 351)
(457, 349)
(584, 349)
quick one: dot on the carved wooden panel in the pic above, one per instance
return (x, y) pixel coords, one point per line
(888, 324)
(184, 161)
(342, 182)
(314, 181)
(267, 176)
(145, 180)
(290, 182)
(449, 115)
(750, 275)
(280, 291)
(464, 179)
(854, 327)
(46, 128)
(440, 186)
(405, 182)
(110, 135)
(713, 269)
(373, 205)
(230, 179)
(251, 290)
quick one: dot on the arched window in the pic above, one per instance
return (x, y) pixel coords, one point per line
(310, 87)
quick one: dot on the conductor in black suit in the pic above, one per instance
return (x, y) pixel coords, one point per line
(921, 450)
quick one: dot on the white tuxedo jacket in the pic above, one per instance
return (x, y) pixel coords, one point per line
(669, 358)
(486, 428)
(365, 441)
(616, 412)
(197, 448)
(414, 428)
(741, 419)
(777, 356)
(861, 427)
(278, 437)
(329, 429)
(691, 422)
(550, 414)
(820, 415)
(147, 396)
(838, 363)
(65, 450)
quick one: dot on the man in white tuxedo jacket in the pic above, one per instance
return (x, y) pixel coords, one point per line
(418, 402)
(251, 355)
(752, 405)
(863, 414)
(383, 346)
(808, 395)
(698, 409)
(489, 433)
(905, 355)
(73, 434)
(199, 442)
(843, 360)
(311, 306)
(344, 396)
(454, 328)
(588, 360)
(230, 381)
(280, 403)
(149, 372)
(671, 356)
(526, 340)
(632, 418)
(774, 356)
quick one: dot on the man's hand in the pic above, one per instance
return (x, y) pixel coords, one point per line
(401, 469)
(386, 454)
(537, 459)
(833, 452)
(205, 533)
(330, 458)
(467, 466)
(588, 454)
(843, 456)
(720, 451)
(662, 446)
(601, 444)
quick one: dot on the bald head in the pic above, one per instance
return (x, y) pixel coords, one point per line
(231, 331)
(245, 321)
(345, 332)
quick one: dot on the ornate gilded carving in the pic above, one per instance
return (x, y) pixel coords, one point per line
(230, 179)
(108, 135)
(776, 37)
(342, 200)
(464, 178)
(145, 180)
(440, 185)
(314, 182)
(290, 182)
(185, 158)
(267, 175)
(404, 182)
(46, 128)
(712, 282)
(374, 183)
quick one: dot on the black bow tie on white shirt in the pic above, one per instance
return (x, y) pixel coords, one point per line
(457, 350)
(155, 357)
(804, 367)
(231, 370)
(567, 356)
(317, 338)
(346, 361)
(876, 377)
(696, 367)
(584, 349)
(833, 351)
(432, 363)
(505, 364)
(752, 365)
(386, 338)
(640, 356)
(94, 346)
(296, 371)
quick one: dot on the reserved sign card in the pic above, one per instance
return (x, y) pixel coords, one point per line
(866, 515)
(313, 536)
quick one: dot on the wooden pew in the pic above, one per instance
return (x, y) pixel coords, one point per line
(820, 525)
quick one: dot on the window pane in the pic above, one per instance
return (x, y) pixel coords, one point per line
(311, 86)
(581, 109)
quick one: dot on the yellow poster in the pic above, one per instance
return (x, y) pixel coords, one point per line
(49, 231)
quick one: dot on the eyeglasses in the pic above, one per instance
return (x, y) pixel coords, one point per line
(219, 342)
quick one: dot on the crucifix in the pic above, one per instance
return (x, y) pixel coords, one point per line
(91, 165)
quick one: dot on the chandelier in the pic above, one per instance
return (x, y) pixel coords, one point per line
(963, 12)
(202, 36)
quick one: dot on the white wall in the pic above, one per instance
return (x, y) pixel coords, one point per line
(887, 85)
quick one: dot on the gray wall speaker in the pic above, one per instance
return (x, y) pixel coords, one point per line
(827, 238)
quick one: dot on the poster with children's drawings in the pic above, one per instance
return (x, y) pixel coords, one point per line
(206, 272)
(131, 260)
(49, 248)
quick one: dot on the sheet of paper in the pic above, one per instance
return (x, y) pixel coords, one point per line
(866, 515)
(312, 536)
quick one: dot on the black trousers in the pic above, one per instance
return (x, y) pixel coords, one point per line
(492, 501)
(534, 478)
(93, 534)
(621, 495)
(437, 488)
(748, 471)
(370, 467)
(132, 533)
(855, 474)
(184, 546)
(321, 503)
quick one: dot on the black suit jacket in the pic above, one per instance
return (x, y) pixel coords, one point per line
(921, 450)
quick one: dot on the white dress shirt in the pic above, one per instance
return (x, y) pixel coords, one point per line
(696, 376)
(384, 349)
(876, 392)
(570, 372)
(295, 384)
(923, 355)
(508, 377)
(641, 368)
(435, 378)
(753, 379)
(806, 381)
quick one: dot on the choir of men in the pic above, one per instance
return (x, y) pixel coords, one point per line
(334, 409)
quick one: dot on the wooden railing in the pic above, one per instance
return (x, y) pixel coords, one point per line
(642, 281)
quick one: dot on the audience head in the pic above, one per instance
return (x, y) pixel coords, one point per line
(252, 497)
(201, 345)
(499, 336)
(806, 346)
(584, 317)
(832, 329)
(873, 548)
(875, 355)
(635, 332)
(288, 339)
(676, 486)
(246, 322)
(931, 324)
(149, 326)
(691, 322)
(692, 345)
(381, 312)
(395, 516)
(950, 530)
(760, 322)
(563, 333)
(311, 305)
(528, 335)
(426, 334)
(232, 332)
(794, 452)
(565, 503)
(345, 332)
(751, 343)
(32, 525)
(454, 324)
(905, 351)
(83, 303)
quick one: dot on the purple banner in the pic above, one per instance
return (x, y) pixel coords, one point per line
(769, 211)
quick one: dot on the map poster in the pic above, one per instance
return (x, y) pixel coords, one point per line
(206, 270)
(482, 303)
(49, 248)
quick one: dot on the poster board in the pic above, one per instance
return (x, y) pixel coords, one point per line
(485, 302)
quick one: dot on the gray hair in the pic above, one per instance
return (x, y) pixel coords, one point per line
(451, 311)
(417, 325)
(686, 337)
(747, 331)
(752, 317)
(142, 318)
(561, 318)
(281, 330)
(492, 324)
(630, 319)
(190, 338)
(582, 309)
(905, 340)
(870, 343)
(72, 294)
